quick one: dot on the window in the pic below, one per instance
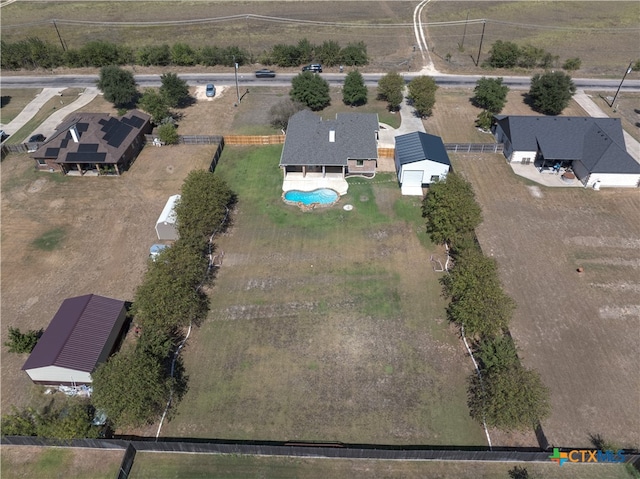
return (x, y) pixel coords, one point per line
(435, 178)
(359, 162)
(42, 162)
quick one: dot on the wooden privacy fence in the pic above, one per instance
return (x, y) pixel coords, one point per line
(386, 153)
(254, 139)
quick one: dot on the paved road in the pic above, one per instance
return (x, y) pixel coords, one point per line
(247, 79)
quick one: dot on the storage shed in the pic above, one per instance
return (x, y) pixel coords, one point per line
(166, 224)
(81, 335)
(420, 159)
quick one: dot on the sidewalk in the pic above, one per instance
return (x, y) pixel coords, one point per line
(49, 125)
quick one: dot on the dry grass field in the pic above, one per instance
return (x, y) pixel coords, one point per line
(603, 34)
(579, 330)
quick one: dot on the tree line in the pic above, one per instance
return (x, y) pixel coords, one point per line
(135, 384)
(34, 53)
(506, 395)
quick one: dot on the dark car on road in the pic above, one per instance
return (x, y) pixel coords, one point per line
(37, 138)
(314, 67)
(265, 73)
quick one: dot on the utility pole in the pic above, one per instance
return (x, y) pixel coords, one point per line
(628, 70)
(64, 49)
(484, 22)
(237, 88)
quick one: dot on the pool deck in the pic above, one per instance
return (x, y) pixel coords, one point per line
(314, 181)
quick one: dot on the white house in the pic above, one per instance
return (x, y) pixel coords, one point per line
(81, 335)
(166, 224)
(420, 160)
(594, 148)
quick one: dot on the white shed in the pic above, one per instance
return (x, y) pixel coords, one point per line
(166, 224)
(81, 335)
(420, 160)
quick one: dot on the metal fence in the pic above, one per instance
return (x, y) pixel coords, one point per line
(474, 147)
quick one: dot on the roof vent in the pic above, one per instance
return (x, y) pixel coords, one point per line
(332, 136)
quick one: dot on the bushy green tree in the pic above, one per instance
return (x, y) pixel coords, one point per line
(450, 209)
(118, 86)
(168, 133)
(154, 55)
(354, 92)
(498, 352)
(503, 55)
(203, 204)
(551, 92)
(422, 93)
(572, 64)
(354, 54)
(286, 55)
(183, 55)
(530, 56)
(155, 105)
(211, 55)
(329, 53)
(174, 90)
(22, 342)
(20, 423)
(98, 53)
(509, 399)
(484, 120)
(490, 94)
(390, 89)
(132, 387)
(70, 421)
(310, 89)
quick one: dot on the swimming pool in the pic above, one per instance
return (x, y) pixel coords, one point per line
(322, 197)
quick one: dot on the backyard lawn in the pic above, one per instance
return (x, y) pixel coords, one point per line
(326, 325)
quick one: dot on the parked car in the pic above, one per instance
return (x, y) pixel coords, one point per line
(37, 138)
(211, 90)
(265, 73)
(314, 67)
(3, 135)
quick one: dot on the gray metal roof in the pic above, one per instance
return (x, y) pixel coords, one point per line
(419, 146)
(77, 334)
(597, 142)
(308, 139)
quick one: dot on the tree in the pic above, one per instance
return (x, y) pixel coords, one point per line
(422, 93)
(159, 55)
(22, 342)
(282, 111)
(174, 90)
(310, 89)
(509, 399)
(477, 300)
(390, 88)
(450, 209)
(19, 423)
(203, 204)
(183, 55)
(497, 353)
(530, 56)
(572, 64)
(551, 92)
(329, 53)
(490, 94)
(354, 54)
(519, 473)
(132, 388)
(71, 421)
(168, 133)
(154, 104)
(354, 92)
(503, 55)
(118, 86)
(484, 120)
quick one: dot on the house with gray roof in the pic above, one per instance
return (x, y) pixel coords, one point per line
(593, 148)
(420, 160)
(81, 335)
(94, 144)
(321, 153)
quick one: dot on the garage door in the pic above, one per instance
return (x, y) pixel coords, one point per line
(412, 182)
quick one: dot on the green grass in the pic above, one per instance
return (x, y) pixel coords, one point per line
(194, 466)
(50, 240)
(14, 100)
(27, 462)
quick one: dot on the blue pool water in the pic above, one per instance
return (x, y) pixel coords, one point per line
(324, 196)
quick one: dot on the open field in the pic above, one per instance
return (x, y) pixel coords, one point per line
(194, 466)
(627, 107)
(26, 462)
(14, 100)
(579, 330)
(603, 34)
(325, 325)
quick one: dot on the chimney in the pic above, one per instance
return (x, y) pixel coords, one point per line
(332, 135)
(74, 133)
